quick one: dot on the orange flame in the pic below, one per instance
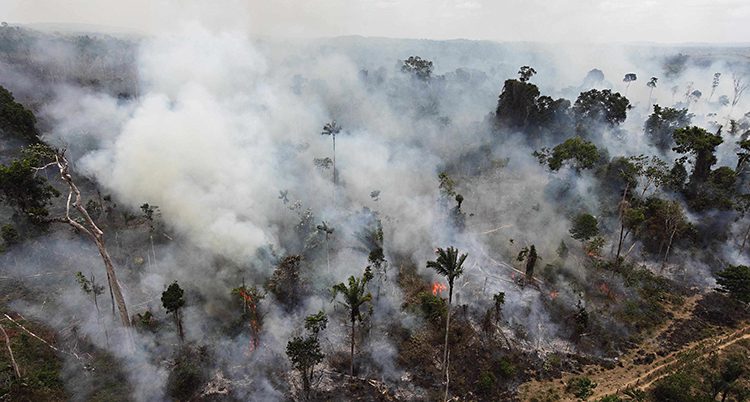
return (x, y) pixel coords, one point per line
(553, 294)
(254, 325)
(438, 287)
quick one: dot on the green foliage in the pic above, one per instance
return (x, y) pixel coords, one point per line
(486, 383)
(9, 234)
(585, 226)
(315, 323)
(581, 319)
(304, 353)
(499, 301)
(735, 280)
(446, 185)
(40, 366)
(662, 123)
(601, 106)
(700, 143)
(521, 107)
(419, 67)
(529, 254)
(22, 189)
(580, 387)
(582, 153)
(15, 119)
(610, 398)
(285, 282)
(172, 299)
(506, 368)
(525, 73)
(354, 296)
(662, 219)
(677, 387)
(715, 193)
(434, 308)
(189, 374)
(89, 286)
(448, 264)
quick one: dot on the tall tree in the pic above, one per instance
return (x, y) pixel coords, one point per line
(15, 119)
(739, 86)
(662, 123)
(601, 106)
(332, 129)
(582, 154)
(585, 226)
(714, 85)
(529, 254)
(304, 351)
(735, 280)
(172, 299)
(251, 297)
(450, 265)
(83, 223)
(629, 78)
(354, 296)
(702, 144)
(651, 84)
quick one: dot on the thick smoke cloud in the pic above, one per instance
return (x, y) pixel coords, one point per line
(219, 124)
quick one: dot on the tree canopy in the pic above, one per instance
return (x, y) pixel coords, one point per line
(601, 106)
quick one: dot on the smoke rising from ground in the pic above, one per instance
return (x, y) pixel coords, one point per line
(222, 123)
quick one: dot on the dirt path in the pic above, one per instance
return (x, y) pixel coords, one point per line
(630, 374)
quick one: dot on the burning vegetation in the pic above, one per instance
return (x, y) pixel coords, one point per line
(331, 228)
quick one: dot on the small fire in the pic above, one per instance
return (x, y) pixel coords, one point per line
(438, 287)
(254, 325)
(553, 294)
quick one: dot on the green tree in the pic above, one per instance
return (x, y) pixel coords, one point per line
(419, 67)
(629, 78)
(332, 129)
(15, 119)
(529, 254)
(354, 296)
(450, 265)
(581, 387)
(582, 153)
(304, 351)
(22, 189)
(664, 222)
(601, 106)
(651, 84)
(9, 234)
(735, 280)
(700, 143)
(172, 299)
(714, 85)
(585, 226)
(285, 282)
(662, 123)
(521, 107)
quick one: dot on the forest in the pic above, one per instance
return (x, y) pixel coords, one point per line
(205, 216)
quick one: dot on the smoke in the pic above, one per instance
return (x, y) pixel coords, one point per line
(219, 128)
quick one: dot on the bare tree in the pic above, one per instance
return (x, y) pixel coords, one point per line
(83, 223)
(10, 352)
(739, 86)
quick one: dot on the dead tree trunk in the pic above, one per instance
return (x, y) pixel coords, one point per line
(90, 228)
(10, 352)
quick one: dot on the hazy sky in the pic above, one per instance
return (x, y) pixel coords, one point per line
(502, 20)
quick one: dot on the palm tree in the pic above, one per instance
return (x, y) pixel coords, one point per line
(450, 265)
(332, 129)
(354, 298)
